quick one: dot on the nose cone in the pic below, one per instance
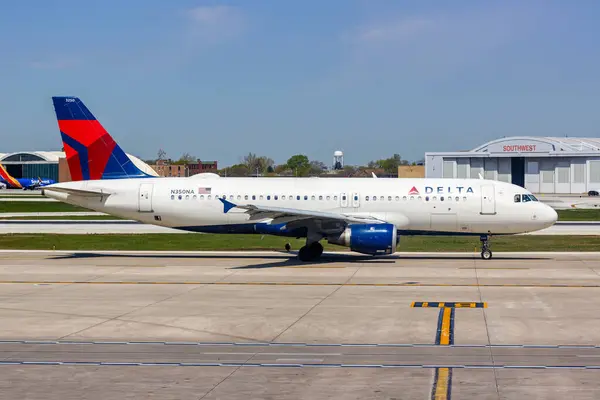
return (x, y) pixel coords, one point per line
(547, 216)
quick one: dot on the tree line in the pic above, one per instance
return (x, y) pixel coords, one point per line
(297, 165)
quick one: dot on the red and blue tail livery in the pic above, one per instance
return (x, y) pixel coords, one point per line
(91, 151)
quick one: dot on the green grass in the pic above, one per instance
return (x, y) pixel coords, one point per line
(579, 215)
(256, 242)
(37, 206)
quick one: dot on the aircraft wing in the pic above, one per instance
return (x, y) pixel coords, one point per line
(295, 216)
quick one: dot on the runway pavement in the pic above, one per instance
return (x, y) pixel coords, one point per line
(66, 226)
(263, 325)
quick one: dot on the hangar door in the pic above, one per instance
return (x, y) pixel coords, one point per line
(488, 199)
(145, 197)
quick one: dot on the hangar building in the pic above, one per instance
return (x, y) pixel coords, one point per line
(49, 165)
(539, 164)
(32, 164)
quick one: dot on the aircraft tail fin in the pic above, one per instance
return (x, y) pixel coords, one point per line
(91, 152)
(8, 178)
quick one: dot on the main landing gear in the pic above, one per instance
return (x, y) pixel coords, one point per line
(486, 253)
(310, 252)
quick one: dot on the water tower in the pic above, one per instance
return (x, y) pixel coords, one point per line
(338, 160)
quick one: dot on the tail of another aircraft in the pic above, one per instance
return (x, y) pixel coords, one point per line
(10, 181)
(91, 151)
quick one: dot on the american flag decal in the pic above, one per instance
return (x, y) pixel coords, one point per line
(203, 190)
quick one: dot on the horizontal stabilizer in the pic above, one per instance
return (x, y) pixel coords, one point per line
(77, 192)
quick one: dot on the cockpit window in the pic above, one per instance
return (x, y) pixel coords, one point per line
(528, 197)
(517, 198)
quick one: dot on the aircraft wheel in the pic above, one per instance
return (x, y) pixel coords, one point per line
(288, 247)
(304, 254)
(317, 249)
(486, 254)
(310, 252)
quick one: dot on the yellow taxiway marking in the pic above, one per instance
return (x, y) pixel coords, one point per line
(442, 384)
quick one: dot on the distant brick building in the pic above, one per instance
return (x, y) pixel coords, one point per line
(166, 168)
(202, 166)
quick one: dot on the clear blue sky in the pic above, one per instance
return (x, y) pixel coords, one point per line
(372, 78)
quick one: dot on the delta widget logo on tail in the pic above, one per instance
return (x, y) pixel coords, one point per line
(442, 190)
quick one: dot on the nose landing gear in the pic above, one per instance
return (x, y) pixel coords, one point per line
(486, 253)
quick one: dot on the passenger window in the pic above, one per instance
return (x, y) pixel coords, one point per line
(246, 197)
(389, 198)
(172, 197)
(328, 197)
(434, 198)
(355, 198)
(344, 198)
(187, 196)
(239, 197)
(253, 197)
(305, 197)
(397, 198)
(381, 198)
(269, 197)
(230, 197)
(374, 198)
(320, 197)
(335, 198)
(464, 198)
(420, 198)
(297, 197)
(441, 198)
(404, 198)
(283, 197)
(366, 198)
(517, 198)
(275, 197)
(261, 196)
(426, 198)
(194, 197)
(412, 197)
(457, 198)
(312, 197)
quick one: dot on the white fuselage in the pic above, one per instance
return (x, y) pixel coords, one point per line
(414, 206)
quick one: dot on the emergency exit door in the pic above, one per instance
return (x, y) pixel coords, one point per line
(145, 197)
(488, 199)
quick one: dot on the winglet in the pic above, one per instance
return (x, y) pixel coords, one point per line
(227, 205)
(480, 176)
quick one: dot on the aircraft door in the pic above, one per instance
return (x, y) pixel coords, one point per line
(145, 197)
(343, 200)
(488, 199)
(355, 200)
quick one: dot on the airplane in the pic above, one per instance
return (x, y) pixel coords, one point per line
(22, 183)
(367, 215)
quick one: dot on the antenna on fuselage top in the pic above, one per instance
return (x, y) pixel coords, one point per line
(480, 177)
